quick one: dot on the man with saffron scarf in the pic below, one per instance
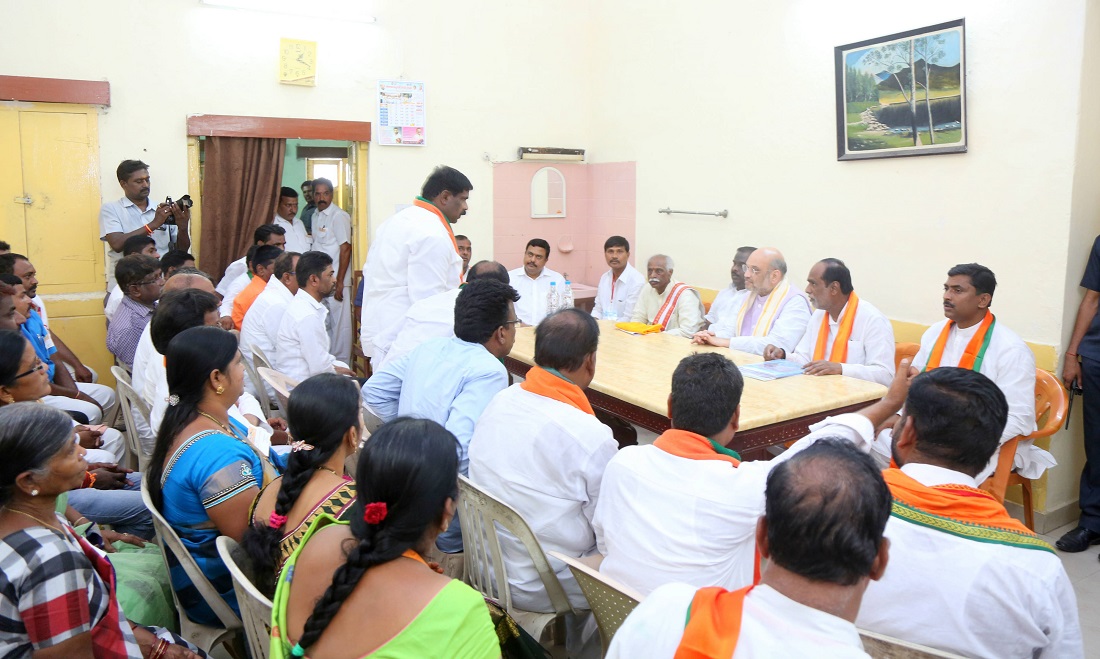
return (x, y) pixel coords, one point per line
(971, 337)
(846, 334)
(768, 312)
(986, 585)
(673, 305)
(413, 256)
(539, 447)
(822, 534)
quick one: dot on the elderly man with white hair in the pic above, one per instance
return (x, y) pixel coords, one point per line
(673, 305)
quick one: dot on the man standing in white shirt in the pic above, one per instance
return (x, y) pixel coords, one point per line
(620, 286)
(768, 311)
(452, 380)
(332, 235)
(297, 238)
(413, 256)
(964, 576)
(533, 280)
(822, 534)
(722, 304)
(845, 335)
(465, 252)
(539, 448)
(237, 274)
(133, 215)
(262, 321)
(672, 304)
(302, 344)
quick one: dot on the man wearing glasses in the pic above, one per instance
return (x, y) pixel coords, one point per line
(768, 312)
(139, 278)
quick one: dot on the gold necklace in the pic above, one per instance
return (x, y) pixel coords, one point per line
(34, 517)
(219, 423)
(331, 471)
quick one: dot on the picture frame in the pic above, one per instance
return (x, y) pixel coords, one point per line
(882, 111)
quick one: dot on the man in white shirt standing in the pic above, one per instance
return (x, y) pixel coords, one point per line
(768, 312)
(332, 235)
(297, 238)
(133, 215)
(720, 307)
(672, 304)
(822, 534)
(533, 280)
(262, 321)
(845, 335)
(539, 448)
(302, 344)
(619, 287)
(237, 274)
(413, 256)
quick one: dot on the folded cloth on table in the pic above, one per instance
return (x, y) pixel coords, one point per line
(639, 328)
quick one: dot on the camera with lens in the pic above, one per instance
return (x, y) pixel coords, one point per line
(184, 203)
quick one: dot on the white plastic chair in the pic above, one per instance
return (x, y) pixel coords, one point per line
(484, 566)
(204, 636)
(261, 390)
(611, 601)
(881, 646)
(260, 359)
(255, 608)
(282, 384)
(128, 401)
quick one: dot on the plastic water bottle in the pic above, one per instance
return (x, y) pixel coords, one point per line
(567, 296)
(552, 298)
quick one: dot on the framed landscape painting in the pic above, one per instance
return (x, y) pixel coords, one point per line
(902, 94)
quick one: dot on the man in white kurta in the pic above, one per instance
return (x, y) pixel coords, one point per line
(260, 328)
(302, 344)
(768, 312)
(237, 274)
(673, 305)
(809, 593)
(722, 304)
(539, 448)
(412, 257)
(867, 348)
(297, 238)
(332, 235)
(532, 282)
(620, 286)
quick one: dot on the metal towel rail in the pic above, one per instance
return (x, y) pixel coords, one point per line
(669, 211)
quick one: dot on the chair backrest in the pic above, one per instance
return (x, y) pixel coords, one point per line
(260, 358)
(258, 385)
(282, 384)
(880, 646)
(255, 608)
(611, 602)
(129, 401)
(170, 542)
(903, 350)
(484, 564)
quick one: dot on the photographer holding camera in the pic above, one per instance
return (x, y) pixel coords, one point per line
(133, 215)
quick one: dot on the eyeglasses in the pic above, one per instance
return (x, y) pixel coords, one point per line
(750, 269)
(155, 280)
(38, 366)
(511, 322)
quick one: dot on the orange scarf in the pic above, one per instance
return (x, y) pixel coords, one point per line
(839, 352)
(714, 624)
(975, 350)
(689, 445)
(664, 314)
(427, 205)
(544, 383)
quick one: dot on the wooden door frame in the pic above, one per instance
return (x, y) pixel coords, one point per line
(220, 125)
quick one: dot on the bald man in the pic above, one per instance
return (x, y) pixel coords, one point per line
(768, 312)
(673, 305)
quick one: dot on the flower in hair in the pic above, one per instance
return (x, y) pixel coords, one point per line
(172, 400)
(375, 512)
(300, 445)
(276, 520)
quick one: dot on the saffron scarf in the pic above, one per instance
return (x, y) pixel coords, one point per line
(690, 445)
(769, 313)
(958, 510)
(554, 385)
(664, 314)
(421, 202)
(713, 625)
(839, 353)
(974, 353)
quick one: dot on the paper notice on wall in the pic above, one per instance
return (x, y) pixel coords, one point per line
(401, 111)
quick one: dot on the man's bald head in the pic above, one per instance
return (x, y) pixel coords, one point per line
(488, 270)
(764, 269)
(566, 341)
(186, 278)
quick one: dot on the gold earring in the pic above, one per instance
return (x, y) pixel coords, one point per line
(220, 390)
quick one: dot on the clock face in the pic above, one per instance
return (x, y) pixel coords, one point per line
(297, 62)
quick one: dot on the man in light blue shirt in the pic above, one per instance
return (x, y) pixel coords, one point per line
(452, 380)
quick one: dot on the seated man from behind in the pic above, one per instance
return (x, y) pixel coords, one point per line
(452, 380)
(238, 274)
(138, 277)
(134, 245)
(768, 312)
(673, 305)
(261, 323)
(846, 335)
(822, 535)
(964, 576)
(302, 345)
(539, 448)
(262, 265)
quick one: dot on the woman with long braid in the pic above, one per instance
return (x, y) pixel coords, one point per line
(325, 426)
(382, 599)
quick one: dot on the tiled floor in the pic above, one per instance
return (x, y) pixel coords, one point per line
(1084, 572)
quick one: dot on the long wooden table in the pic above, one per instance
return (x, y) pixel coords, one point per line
(634, 377)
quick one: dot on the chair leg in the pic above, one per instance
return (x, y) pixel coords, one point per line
(1029, 512)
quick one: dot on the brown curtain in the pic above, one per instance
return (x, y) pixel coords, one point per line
(240, 191)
